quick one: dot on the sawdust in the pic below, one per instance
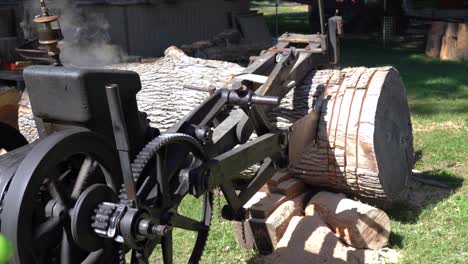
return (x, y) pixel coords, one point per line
(447, 125)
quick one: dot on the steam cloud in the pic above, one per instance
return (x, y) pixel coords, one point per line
(86, 35)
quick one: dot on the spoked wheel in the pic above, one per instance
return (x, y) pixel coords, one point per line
(10, 138)
(39, 205)
(162, 189)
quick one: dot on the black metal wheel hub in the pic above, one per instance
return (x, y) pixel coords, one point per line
(38, 215)
(10, 138)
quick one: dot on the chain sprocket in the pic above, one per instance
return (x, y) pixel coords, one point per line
(142, 165)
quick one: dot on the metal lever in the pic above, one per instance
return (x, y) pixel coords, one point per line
(121, 139)
(265, 100)
(247, 98)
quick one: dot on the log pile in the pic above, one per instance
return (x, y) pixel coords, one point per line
(300, 228)
(228, 45)
(269, 212)
(448, 41)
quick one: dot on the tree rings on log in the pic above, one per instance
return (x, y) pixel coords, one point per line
(364, 137)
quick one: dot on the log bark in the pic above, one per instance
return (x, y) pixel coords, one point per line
(163, 96)
(364, 138)
(358, 225)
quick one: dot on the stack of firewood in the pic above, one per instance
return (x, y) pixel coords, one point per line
(448, 41)
(287, 222)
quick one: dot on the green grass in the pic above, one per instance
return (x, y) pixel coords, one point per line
(291, 18)
(293, 9)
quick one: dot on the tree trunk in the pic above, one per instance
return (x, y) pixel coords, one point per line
(357, 224)
(364, 138)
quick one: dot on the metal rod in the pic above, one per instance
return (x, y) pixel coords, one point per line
(121, 138)
(276, 18)
(322, 25)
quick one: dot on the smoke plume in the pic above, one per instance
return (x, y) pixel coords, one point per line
(86, 41)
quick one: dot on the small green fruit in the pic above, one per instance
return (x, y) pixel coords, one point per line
(6, 250)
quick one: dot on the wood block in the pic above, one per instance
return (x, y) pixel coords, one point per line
(290, 188)
(309, 240)
(279, 177)
(265, 188)
(267, 232)
(265, 206)
(358, 224)
(255, 199)
(302, 134)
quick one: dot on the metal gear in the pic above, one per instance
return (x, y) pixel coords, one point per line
(146, 181)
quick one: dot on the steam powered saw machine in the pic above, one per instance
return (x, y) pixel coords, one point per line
(101, 183)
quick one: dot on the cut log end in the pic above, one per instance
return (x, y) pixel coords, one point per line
(363, 143)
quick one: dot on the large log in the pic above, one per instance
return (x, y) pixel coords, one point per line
(364, 139)
(358, 225)
(163, 96)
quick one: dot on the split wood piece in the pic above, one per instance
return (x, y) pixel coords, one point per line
(357, 224)
(290, 188)
(449, 41)
(364, 139)
(277, 178)
(434, 39)
(308, 240)
(9, 99)
(268, 231)
(265, 207)
(448, 49)
(302, 134)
